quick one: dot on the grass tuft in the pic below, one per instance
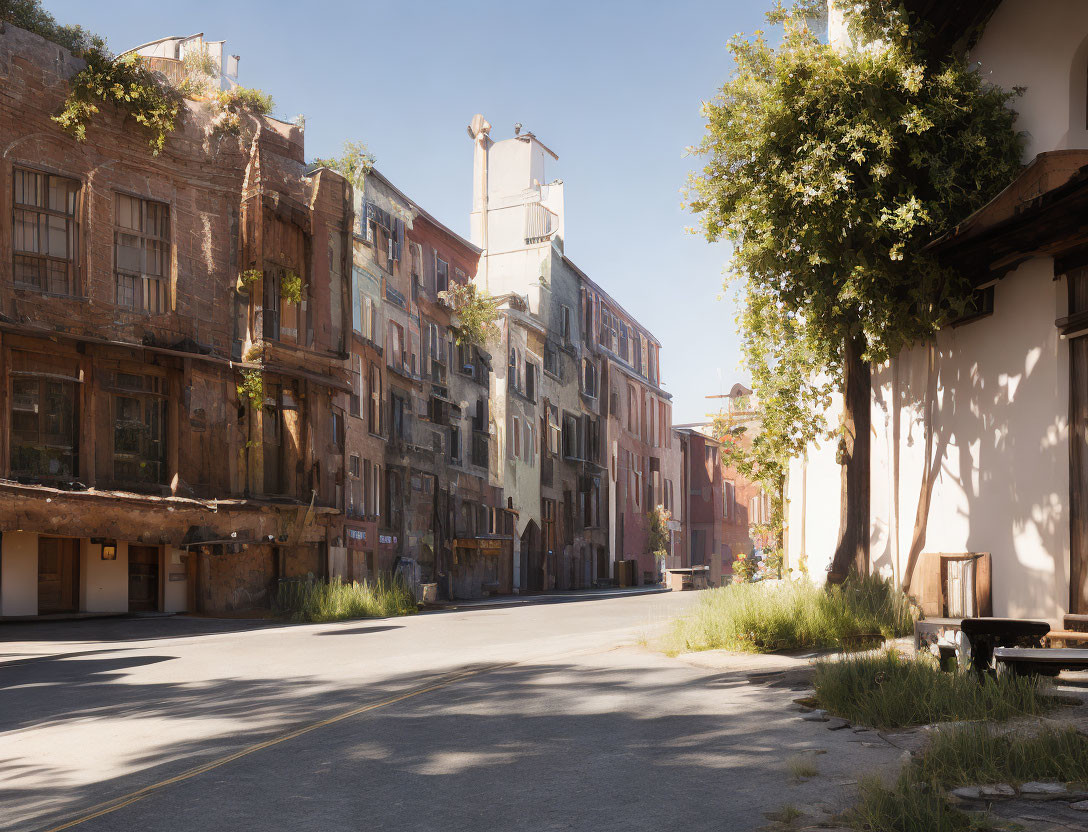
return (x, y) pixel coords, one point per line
(907, 807)
(336, 600)
(965, 756)
(973, 754)
(888, 691)
(764, 617)
(801, 767)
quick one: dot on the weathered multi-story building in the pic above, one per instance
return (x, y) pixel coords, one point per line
(172, 349)
(724, 513)
(424, 444)
(552, 398)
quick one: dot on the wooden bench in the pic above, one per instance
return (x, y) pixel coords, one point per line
(1045, 661)
(1062, 638)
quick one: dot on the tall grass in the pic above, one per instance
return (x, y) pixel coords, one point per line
(336, 600)
(888, 691)
(765, 617)
(964, 756)
(972, 754)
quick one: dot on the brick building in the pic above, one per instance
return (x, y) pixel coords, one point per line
(133, 474)
(723, 511)
(420, 452)
(622, 361)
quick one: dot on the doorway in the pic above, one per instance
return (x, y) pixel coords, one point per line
(58, 575)
(143, 578)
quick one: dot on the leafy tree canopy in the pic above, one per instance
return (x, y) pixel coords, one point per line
(29, 15)
(828, 170)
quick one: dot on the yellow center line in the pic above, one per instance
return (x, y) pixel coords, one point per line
(127, 799)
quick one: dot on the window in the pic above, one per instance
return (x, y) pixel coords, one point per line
(466, 359)
(43, 427)
(632, 409)
(551, 360)
(441, 274)
(570, 436)
(375, 415)
(528, 447)
(530, 381)
(415, 252)
(729, 498)
(623, 341)
(455, 443)
(46, 232)
(554, 431)
(638, 351)
(393, 498)
(139, 428)
(667, 496)
(354, 493)
(397, 356)
(514, 439)
(356, 385)
(141, 249)
(589, 378)
(336, 425)
(566, 324)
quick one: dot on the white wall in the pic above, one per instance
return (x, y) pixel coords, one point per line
(175, 597)
(19, 576)
(103, 583)
(812, 503)
(1044, 48)
(1001, 444)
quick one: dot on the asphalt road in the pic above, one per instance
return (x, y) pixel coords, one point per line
(539, 717)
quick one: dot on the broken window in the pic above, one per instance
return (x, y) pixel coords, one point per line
(141, 252)
(43, 427)
(139, 428)
(46, 232)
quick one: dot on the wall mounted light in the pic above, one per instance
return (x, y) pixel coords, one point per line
(109, 551)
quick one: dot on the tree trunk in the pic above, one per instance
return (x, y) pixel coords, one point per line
(852, 549)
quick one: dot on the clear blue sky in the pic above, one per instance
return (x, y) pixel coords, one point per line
(613, 87)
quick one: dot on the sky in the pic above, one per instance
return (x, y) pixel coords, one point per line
(614, 87)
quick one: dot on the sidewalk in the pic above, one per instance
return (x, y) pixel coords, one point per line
(553, 597)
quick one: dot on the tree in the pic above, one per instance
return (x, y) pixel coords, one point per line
(29, 15)
(659, 518)
(829, 169)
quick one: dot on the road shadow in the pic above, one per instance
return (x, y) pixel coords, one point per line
(533, 746)
(354, 631)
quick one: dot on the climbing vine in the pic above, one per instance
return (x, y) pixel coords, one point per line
(126, 83)
(477, 313)
(828, 170)
(248, 277)
(252, 387)
(290, 287)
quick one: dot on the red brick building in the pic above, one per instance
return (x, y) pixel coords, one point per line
(138, 293)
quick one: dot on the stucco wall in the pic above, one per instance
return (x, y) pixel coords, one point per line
(103, 583)
(1042, 47)
(19, 576)
(1001, 441)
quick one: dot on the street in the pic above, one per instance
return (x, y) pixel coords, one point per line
(541, 717)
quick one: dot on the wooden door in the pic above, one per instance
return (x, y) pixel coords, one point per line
(58, 575)
(143, 578)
